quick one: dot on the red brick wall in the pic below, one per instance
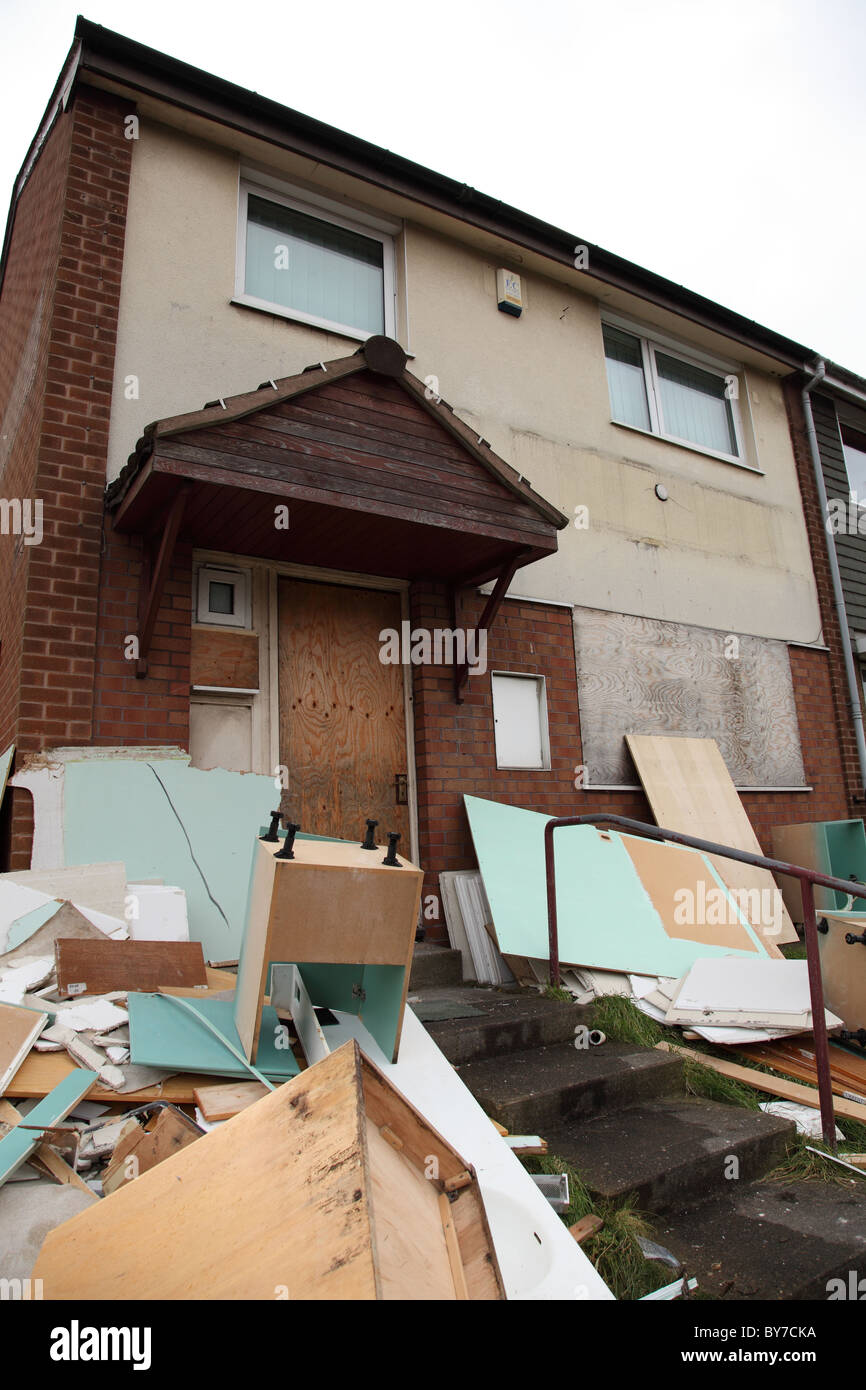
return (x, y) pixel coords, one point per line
(154, 709)
(68, 237)
(455, 752)
(815, 526)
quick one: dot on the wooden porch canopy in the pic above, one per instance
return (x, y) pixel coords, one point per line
(378, 476)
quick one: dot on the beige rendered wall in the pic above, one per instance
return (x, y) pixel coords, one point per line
(728, 550)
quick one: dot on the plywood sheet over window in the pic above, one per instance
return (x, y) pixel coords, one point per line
(643, 676)
(224, 658)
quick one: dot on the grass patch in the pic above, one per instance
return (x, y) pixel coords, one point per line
(557, 992)
(794, 950)
(622, 1021)
(613, 1250)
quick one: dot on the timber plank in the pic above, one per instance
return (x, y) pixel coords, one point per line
(85, 966)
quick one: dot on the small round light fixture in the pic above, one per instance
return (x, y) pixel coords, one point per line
(661, 492)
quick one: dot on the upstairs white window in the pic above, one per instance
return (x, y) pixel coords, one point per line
(656, 388)
(301, 259)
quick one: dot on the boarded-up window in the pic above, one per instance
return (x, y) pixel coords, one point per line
(643, 676)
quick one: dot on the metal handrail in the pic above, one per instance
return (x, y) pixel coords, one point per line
(808, 878)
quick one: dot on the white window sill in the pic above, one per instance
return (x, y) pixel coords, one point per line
(339, 330)
(692, 448)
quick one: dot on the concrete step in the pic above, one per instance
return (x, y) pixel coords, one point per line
(512, 1021)
(777, 1240)
(533, 1091)
(435, 965)
(672, 1151)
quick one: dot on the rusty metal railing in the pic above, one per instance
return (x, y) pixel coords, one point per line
(808, 879)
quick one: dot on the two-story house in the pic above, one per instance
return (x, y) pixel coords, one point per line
(350, 474)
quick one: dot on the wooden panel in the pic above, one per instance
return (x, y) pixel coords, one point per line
(97, 967)
(843, 970)
(19, 1029)
(321, 1208)
(40, 1072)
(222, 1102)
(224, 658)
(293, 1173)
(342, 729)
(334, 903)
(690, 789)
(644, 676)
(411, 1249)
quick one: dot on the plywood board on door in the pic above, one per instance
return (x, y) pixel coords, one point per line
(690, 790)
(342, 724)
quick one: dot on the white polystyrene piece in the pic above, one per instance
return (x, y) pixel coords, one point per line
(161, 910)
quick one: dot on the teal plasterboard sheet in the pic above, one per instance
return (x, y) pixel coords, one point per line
(17, 1146)
(167, 1035)
(605, 917)
(332, 987)
(24, 927)
(121, 809)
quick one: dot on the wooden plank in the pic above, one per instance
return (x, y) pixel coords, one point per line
(222, 1102)
(452, 1244)
(667, 871)
(690, 789)
(411, 1249)
(763, 1081)
(342, 728)
(587, 1226)
(98, 967)
(41, 1072)
(17, 1146)
(224, 657)
(19, 1029)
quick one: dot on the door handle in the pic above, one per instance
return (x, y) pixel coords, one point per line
(401, 788)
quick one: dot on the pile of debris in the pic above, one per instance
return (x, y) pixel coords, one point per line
(156, 1083)
(692, 940)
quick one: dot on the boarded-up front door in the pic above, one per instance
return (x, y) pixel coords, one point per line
(342, 728)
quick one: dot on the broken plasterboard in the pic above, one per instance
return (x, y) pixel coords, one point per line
(163, 819)
(157, 912)
(734, 993)
(17, 1146)
(333, 1196)
(100, 886)
(607, 918)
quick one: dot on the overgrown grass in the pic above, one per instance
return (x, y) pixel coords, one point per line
(622, 1021)
(613, 1250)
(557, 992)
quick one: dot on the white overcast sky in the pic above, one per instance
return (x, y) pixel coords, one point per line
(720, 145)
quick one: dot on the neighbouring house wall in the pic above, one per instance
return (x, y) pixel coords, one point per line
(842, 735)
(728, 550)
(850, 548)
(78, 229)
(455, 750)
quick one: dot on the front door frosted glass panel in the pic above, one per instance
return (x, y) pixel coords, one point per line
(314, 267)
